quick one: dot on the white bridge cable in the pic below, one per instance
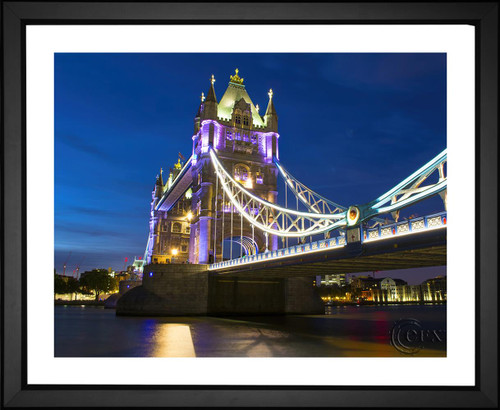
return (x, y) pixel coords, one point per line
(270, 217)
(410, 190)
(312, 200)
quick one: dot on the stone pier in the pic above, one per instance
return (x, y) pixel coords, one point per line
(183, 289)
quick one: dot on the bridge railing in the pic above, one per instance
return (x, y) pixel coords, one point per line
(406, 227)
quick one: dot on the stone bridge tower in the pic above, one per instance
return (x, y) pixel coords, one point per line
(245, 142)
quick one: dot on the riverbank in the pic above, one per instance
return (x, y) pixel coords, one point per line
(79, 302)
(335, 303)
(102, 303)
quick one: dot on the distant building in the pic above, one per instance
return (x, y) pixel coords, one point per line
(338, 279)
(365, 282)
(367, 295)
(409, 293)
(396, 290)
(390, 287)
(138, 265)
(434, 290)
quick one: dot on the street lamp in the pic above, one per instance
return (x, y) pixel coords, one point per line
(174, 254)
(189, 216)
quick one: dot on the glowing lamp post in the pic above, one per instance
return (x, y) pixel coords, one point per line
(174, 254)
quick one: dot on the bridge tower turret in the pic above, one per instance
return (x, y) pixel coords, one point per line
(245, 143)
(155, 220)
(210, 104)
(271, 118)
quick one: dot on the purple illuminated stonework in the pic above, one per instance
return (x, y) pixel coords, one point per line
(246, 143)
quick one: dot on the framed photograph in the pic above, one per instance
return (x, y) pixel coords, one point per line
(153, 261)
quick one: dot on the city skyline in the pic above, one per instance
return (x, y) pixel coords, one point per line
(351, 126)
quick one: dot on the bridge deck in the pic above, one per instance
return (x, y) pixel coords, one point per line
(424, 249)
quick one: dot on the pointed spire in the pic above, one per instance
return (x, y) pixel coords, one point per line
(209, 109)
(198, 113)
(270, 107)
(271, 117)
(159, 178)
(211, 93)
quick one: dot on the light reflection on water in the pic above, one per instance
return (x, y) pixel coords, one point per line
(173, 340)
(345, 331)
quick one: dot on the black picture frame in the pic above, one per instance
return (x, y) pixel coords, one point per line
(16, 392)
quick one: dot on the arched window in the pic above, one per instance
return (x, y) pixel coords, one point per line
(176, 227)
(237, 119)
(245, 120)
(241, 172)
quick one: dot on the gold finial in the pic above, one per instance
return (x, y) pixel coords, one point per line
(270, 93)
(236, 78)
(178, 165)
(161, 171)
(257, 107)
(202, 97)
(212, 80)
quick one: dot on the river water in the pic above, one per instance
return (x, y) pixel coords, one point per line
(345, 331)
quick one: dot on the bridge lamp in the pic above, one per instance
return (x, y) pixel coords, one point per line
(189, 216)
(352, 216)
(175, 252)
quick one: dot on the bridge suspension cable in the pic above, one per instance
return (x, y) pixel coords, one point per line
(312, 200)
(270, 217)
(411, 190)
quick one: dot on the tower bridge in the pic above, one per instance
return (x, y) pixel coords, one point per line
(226, 193)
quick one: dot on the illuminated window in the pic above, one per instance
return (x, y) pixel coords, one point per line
(245, 120)
(229, 135)
(254, 138)
(241, 172)
(237, 119)
(259, 178)
(237, 136)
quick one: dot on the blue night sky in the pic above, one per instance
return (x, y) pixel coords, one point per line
(351, 125)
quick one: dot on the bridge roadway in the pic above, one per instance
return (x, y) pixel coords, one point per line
(413, 249)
